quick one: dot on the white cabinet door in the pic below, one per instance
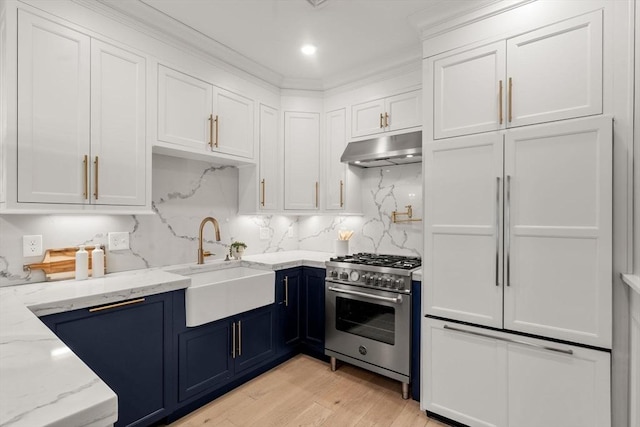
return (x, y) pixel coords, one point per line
(184, 109)
(558, 230)
(117, 126)
(367, 118)
(269, 160)
(53, 112)
(464, 376)
(403, 111)
(335, 179)
(463, 242)
(551, 388)
(634, 358)
(468, 91)
(301, 160)
(556, 72)
(233, 123)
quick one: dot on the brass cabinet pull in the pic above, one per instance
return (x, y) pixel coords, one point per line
(317, 185)
(85, 163)
(510, 99)
(286, 291)
(233, 340)
(381, 125)
(341, 193)
(500, 102)
(217, 126)
(263, 185)
(386, 119)
(96, 172)
(239, 337)
(116, 305)
(211, 130)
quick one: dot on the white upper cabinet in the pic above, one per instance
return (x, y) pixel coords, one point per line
(538, 234)
(549, 74)
(335, 178)
(196, 114)
(387, 114)
(301, 160)
(81, 118)
(270, 186)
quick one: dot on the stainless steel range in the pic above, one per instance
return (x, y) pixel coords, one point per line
(368, 313)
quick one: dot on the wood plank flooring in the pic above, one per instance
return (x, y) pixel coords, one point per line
(304, 392)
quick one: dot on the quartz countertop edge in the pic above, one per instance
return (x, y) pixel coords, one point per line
(633, 281)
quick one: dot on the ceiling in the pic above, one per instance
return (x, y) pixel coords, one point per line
(355, 38)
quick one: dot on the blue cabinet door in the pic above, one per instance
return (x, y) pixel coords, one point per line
(288, 334)
(313, 309)
(129, 347)
(255, 338)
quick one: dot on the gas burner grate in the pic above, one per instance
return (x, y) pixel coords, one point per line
(380, 260)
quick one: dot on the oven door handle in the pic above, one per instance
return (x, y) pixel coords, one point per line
(396, 300)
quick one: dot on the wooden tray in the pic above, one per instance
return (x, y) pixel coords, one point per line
(60, 264)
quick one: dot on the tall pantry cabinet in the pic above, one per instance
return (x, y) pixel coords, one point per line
(518, 229)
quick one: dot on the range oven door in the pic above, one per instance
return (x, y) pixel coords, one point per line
(370, 325)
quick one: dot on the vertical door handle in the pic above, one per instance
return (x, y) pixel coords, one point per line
(95, 163)
(381, 118)
(239, 338)
(286, 291)
(211, 130)
(317, 185)
(500, 104)
(498, 231)
(85, 164)
(233, 340)
(262, 184)
(507, 229)
(510, 99)
(386, 119)
(341, 193)
(217, 128)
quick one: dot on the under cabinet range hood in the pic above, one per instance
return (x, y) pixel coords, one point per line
(384, 151)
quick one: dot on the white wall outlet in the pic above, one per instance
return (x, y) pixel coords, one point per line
(291, 233)
(118, 241)
(265, 233)
(32, 245)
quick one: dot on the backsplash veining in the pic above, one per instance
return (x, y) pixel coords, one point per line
(186, 191)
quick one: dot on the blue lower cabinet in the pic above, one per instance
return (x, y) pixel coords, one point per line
(313, 310)
(288, 286)
(129, 346)
(254, 338)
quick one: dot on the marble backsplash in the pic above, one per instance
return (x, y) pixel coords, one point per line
(185, 191)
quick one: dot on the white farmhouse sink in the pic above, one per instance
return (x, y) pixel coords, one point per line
(217, 294)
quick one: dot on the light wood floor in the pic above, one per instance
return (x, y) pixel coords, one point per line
(304, 392)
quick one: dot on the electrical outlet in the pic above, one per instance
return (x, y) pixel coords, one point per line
(291, 233)
(32, 245)
(118, 241)
(265, 233)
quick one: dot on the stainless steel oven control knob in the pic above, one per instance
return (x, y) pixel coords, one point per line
(378, 280)
(354, 276)
(399, 284)
(344, 275)
(387, 282)
(333, 273)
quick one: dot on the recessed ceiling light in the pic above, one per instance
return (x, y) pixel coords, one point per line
(409, 156)
(357, 162)
(308, 49)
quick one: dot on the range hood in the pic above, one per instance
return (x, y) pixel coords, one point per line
(384, 151)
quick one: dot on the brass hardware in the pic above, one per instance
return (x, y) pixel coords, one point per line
(96, 171)
(262, 183)
(317, 185)
(217, 126)
(233, 340)
(201, 252)
(500, 101)
(116, 305)
(386, 119)
(408, 214)
(85, 162)
(211, 130)
(510, 100)
(239, 337)
(381, 125)
(341, 195)
(286, 291)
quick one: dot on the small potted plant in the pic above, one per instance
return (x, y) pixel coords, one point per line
(237, 249)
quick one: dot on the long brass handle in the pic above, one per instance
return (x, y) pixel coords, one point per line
(85, 163)
(507, 231)
(233, 340)
(498, 231)
(239, 337)
(116, 305)
(381, 118)
(510, 99)
(500, 102)
(286, 291)
(217, 126)
(211, 130)
(96, 172)
(262, 183)
(341, 193)
(317, 185)
(386, 119)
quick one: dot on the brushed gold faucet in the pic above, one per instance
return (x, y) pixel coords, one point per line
(201, 252)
